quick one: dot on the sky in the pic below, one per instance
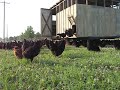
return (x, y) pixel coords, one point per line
(22, 13)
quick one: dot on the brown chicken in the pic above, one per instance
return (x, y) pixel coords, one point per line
(56, 47)
(31, 51)
(18, 52)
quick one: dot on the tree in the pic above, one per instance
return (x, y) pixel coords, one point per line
(0, 39)
(22, 36)
(29, 33)
(37, 35)
(11, 38)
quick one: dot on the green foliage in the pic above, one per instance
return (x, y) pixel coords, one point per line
(12, 38)
(75, 69)
(28, 34)
(37, 35)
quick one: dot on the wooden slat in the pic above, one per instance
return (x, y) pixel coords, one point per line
(62, 19)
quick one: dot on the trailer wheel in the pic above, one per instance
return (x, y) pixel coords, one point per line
(93, 45)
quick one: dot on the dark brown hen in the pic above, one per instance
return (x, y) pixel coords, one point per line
(56, 47)
(32, 50)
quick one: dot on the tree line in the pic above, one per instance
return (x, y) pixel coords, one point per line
(28, 34)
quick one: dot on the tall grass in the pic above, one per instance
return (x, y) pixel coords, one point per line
(75, 69)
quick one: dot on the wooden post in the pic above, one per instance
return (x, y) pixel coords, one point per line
(86, 2)
(96, 2)
(119, 6)
(112, 3)
(76, 1)
(104, 3)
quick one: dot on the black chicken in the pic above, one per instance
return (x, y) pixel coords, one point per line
(26, 44)
(76, 43)
(31, 51)
(56, 47)
(63, 35)
(69, 32)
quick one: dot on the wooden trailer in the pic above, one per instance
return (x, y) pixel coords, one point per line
(90, 22)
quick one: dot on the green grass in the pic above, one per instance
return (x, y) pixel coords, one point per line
(75, 69)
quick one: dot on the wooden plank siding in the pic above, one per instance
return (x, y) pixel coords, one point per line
(95, 21)
(62, 18)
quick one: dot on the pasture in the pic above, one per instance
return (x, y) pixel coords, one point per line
(75, 69)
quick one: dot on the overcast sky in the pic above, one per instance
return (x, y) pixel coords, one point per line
(22, 13)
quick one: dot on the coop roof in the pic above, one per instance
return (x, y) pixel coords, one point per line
(108, 3)
(99, 1)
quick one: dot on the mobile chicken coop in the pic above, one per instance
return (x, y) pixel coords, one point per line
(92, 23)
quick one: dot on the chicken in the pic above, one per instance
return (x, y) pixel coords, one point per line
(62, 35)
(18, 52)
(56, 47)
(69, 32)
(31, 51)
(26, 44)
(76, 43)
